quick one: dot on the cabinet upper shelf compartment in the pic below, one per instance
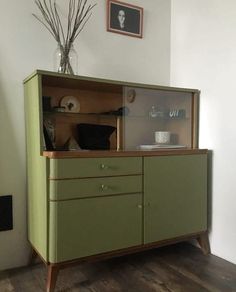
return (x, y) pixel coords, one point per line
(84, 83)
(115, 115)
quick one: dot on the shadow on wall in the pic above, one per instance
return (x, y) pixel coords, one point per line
(9, 150)
(12, 169)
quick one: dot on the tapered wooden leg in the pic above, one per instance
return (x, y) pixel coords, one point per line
(203, 241)
(52, 277)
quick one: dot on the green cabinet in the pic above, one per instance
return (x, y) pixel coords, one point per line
(175, 196)
(155, 198)
(102, 193)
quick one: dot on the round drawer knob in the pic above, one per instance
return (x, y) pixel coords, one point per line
(104, 166)
(104, 188)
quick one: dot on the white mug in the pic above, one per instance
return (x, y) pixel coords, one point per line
(162, 137)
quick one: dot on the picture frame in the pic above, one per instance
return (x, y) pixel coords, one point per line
(124, 18)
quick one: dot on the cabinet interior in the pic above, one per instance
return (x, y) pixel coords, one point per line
(99, 105)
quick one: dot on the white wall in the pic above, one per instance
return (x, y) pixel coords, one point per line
(25, 45)
(203, 55)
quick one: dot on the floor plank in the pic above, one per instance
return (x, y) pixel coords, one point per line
(177, 268)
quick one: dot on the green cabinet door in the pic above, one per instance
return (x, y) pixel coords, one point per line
(175, 196)
(90, 226)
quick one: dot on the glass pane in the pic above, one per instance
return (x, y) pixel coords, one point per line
(156, 118)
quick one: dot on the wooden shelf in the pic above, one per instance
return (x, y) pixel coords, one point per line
(121, 153)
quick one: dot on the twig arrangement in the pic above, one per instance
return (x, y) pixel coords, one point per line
(79, 13)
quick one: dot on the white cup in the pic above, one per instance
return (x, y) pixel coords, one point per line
(162, 137)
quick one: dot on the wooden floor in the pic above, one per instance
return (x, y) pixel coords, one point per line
(178, 268)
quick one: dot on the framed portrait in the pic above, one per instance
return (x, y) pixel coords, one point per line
(124, 18)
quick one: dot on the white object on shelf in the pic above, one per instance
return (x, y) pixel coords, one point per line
(70, 103)
(162, 137)
(159, 146)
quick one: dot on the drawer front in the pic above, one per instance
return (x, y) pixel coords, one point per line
(94, 167)
(80, 228)
(91, 187)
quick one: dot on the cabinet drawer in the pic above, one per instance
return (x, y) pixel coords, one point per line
(90, 187)
(94, 167)
(80, 228)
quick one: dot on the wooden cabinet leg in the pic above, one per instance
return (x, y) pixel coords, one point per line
(52, 277)
(203, 241)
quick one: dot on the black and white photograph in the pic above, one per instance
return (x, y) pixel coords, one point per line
(124, 18)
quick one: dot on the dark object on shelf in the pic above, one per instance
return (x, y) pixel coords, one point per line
(94, 137)
(48, 142)
(122, 111)
(47, 104)
(59, 109)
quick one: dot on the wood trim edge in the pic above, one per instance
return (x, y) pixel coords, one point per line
(126, 251)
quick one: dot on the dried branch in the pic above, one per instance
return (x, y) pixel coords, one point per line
(78, 15)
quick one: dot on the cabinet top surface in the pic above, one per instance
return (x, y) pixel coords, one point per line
(92, 154)
(52, 75)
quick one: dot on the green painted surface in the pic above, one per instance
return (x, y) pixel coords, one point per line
(36, 169)
(76, 78)
(79, 188)
(175, 189)
(92, 167)
(91, 226)
(175, 192)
